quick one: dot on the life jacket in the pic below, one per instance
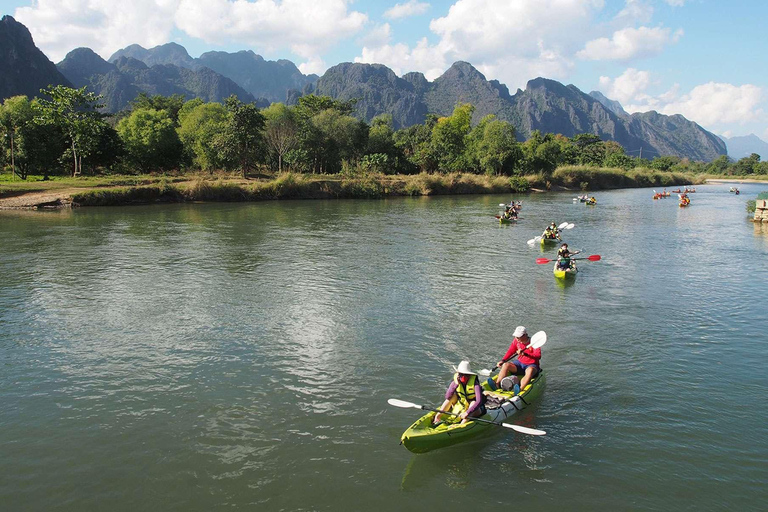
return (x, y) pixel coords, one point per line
(466, 393)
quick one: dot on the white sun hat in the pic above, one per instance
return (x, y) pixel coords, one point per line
(465, 368)
(519, 331)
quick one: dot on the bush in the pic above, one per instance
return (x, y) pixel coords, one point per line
(519, 184)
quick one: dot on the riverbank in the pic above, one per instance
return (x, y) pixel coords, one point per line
(125, 190)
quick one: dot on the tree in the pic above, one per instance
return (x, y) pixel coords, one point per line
(16, 114)
(498, 149)
(76, 112)
(171, 104)
(150, 139)
(241, 141)
(448, 138)
(200, 125)
(281, 131)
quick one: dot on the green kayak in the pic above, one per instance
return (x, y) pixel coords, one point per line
(549, 241)
(423, 437)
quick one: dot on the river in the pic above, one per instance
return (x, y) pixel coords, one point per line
(218, 356)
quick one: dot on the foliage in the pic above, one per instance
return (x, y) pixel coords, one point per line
(76, 113)
(150, 138)
(241, 142)
(199, 127)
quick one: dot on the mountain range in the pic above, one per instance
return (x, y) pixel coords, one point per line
(545, 105)
(740, 147)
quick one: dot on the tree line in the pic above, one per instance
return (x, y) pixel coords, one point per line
(65, 132)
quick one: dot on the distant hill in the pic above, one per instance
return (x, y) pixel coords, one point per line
(544, 105)
(120, 82)
(740, 147)
(24, 69)
(266, 79)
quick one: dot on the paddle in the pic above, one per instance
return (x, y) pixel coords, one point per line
(594, 257)
(408, 405)
(562, 226)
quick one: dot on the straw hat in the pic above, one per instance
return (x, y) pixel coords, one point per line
(465, 368)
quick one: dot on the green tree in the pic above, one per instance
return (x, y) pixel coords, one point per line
(170, 104)
(448, 138)
(150, 139)
(76, 112)
(16, 114)
(199, 127)
(719, 165)
(415, 143)
(498, 150)
(281, 131)
(241, 143)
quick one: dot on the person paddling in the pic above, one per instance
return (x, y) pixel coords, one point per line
(527, 362)
(564, 257)
(466, 390)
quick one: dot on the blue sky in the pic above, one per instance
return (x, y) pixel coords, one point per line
(699, 58)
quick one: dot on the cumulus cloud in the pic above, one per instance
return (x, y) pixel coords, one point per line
(511, 40)
(710, 104)
(305, 27)
(379, 35)
(714, 103)
(102, 25)
(627, 87)
(410, 8)
(635, 11)
(630, 43)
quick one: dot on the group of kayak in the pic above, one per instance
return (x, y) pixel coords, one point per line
(661, 195)
(586, 199)
(510, 212)
(475, 400)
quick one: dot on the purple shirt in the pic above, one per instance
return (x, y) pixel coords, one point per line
(479, 396)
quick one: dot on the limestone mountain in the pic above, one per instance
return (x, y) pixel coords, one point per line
(262, 78)
(120, 82)
(740, 147)
(544, 105)
(613, 105)
(24, 69)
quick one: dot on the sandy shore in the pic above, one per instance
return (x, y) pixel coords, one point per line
(746, 180)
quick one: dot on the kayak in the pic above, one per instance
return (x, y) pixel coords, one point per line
(549, 241)
(683, 205)
(564, 274)
(590, 203)
(506, 221)
(422, 436)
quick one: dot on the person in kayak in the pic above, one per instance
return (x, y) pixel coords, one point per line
(527, 362)
(564, 257)
(466, 390)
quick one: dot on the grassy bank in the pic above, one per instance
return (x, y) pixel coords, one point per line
(119, 190)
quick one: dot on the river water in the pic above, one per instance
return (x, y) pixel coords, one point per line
(218, 356)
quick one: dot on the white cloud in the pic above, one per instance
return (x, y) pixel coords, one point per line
(510, 40)
(402, 59)
(630, 43)
(306, 27)
(102, 25)
(379, 35)
(676, 3)
(313, 65)
(629, 86)
(410, 8)
(710, 105)
(635, 11)
(714, 103)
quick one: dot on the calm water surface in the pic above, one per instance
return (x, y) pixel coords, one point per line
(218, 356)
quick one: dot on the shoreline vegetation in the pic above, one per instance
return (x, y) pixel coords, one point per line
(148, 189)
(170, 149)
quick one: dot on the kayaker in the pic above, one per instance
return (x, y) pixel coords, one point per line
(527, 362)
(564, 257)
(466, 390)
